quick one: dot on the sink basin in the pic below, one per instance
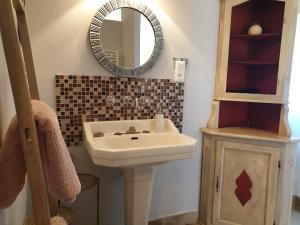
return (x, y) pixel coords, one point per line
(134, 149)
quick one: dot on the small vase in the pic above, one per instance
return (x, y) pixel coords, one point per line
(255, 29)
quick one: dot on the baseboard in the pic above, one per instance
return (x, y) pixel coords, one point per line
(296, 203)
(181, 219)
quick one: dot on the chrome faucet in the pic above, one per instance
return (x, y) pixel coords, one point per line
(137, 104)
(132, 130)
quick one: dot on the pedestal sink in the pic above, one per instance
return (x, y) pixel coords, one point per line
(136, 147)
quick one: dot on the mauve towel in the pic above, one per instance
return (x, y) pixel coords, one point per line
(61, 177)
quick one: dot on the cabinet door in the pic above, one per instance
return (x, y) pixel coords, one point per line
(245, 184)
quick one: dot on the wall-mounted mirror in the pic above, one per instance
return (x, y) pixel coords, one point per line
(126, 37)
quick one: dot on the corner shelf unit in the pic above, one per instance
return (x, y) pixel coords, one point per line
(249, 155)
(255, 66)
(256, 37)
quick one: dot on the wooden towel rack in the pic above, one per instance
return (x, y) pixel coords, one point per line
(21, 70)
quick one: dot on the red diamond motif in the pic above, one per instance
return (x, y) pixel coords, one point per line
(244, 184)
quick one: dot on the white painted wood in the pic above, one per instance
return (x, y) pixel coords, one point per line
(250, 134)
(286, 53)
(214, 116)
(234, 148)
(260, 163)
(207, 180)
(285, 188)
(211, 162)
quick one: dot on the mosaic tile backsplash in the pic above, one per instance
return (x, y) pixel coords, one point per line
(100, 98)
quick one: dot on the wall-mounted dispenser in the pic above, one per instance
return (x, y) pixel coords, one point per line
(179, 69)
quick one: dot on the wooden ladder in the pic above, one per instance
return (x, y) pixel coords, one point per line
(22, 76)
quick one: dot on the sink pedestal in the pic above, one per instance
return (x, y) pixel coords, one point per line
(138, 192)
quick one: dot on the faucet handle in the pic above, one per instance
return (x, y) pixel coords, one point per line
(144, 100)
(132, 130)
(110, 100)
(127, 100)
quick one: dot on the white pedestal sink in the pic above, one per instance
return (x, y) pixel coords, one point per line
(109, 144)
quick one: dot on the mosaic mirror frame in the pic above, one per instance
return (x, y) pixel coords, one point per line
(96, 29)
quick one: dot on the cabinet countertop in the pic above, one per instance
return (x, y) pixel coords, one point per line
(249, 133)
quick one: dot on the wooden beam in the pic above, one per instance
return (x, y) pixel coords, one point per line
(28, 58)
(19, 6)
(31, 76)
(26, 124)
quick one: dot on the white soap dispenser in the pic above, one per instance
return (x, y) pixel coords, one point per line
(159, 122)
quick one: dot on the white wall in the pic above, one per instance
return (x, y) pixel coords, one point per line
(294, 117)
(59, 35)
(15, 214)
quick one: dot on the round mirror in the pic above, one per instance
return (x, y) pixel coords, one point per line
(126, 37)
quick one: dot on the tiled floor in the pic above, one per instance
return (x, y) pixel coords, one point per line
(295, 218)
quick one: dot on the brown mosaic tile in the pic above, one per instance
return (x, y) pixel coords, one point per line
(85, 98)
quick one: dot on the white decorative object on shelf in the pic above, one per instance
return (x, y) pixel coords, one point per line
(255, 29)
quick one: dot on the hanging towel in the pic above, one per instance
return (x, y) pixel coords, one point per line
(61, 177)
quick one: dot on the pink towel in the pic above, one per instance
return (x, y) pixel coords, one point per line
(60, 174)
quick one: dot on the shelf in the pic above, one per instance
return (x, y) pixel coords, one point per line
(254, 63)
(256, 37)
(252, 76)
(250, 133)
(240, 97)
(260, 116)
(241, 91)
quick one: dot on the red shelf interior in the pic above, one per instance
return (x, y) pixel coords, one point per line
(252, 79)
(261, 116)
(253, 60)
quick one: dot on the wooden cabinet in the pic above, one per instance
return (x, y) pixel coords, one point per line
(246, 179)
(255, 67)
(248, 152)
